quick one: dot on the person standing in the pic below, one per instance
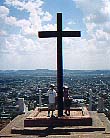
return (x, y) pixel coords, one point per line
(51, 99)
(67, 100)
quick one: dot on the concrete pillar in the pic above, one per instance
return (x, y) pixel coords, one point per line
(21, 105)
(100, 107)
(90, 100)
(40, 100)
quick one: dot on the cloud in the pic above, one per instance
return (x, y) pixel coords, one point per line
(96, 18)
(22, 46)
(36, 16)
(91, 7)
(71, 23)
(96, 14)
(26, 53)
(17, 44)
(21, 43)
(47, 16)
(106, 27)
(4, 11)
(86, 54)
(15, 3)
(101, 35)
(3, 33)
(91, 51)
(31, 6)
(10, 20)
(50, 27)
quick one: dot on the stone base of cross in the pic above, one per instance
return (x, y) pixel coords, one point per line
(59, 34)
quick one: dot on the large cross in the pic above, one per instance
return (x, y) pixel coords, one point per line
(59, 34)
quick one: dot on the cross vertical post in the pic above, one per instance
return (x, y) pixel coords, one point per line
(59, 65)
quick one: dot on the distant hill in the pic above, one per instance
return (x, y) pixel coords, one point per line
(46, 72)
(38, 72)
(88, 72)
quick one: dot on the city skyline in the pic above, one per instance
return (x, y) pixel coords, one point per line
(20, 21)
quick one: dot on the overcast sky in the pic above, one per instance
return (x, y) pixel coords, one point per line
(20, 21)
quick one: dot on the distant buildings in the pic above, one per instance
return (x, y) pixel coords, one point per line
(26, 85)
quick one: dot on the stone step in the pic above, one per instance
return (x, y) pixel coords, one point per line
(55, 130)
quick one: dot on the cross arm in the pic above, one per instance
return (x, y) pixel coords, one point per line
(46, 34)
(71, 33)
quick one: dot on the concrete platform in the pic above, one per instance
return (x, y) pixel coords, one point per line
(78, 117)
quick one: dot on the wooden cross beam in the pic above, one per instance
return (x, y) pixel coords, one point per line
(59, 34)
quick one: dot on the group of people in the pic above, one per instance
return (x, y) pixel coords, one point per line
(52, 99)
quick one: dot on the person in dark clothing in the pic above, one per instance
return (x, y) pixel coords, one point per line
(67, 100)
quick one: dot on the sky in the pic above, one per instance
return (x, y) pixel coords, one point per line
(20, 21)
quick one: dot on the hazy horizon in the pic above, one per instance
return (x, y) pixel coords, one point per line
(55, 69)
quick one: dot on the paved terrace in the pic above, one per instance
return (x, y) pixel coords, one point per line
(100, 127)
